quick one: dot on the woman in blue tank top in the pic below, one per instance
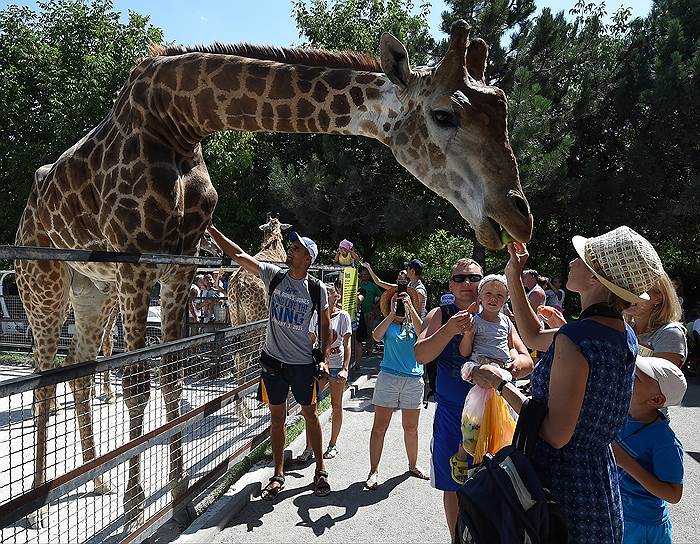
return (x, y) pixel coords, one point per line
(399, 384)
(585, 378)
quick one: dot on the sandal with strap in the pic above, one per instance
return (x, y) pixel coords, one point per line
(304, 457)
(459, 469)
(418, 472)
(270, 492)
(321, 486)
(331, 452)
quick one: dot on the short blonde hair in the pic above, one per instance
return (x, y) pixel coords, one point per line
(331, 286)
(466, 263)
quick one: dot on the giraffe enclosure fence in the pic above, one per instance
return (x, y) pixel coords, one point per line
(90, 498)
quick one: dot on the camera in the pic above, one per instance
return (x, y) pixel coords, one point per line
(400, 306)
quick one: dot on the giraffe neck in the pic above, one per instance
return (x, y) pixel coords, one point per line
(272, 250)
(237, 93)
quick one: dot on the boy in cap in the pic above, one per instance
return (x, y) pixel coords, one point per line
(648, 453)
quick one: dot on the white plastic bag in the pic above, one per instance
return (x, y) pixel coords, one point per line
(472, 414)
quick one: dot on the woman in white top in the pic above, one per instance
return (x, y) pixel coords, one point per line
(337, 371)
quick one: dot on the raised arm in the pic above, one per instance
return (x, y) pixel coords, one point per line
(234, 251)
(528, 325)
(383, 284)
(415, 316)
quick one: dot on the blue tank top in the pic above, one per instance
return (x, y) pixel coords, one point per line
(450, 388)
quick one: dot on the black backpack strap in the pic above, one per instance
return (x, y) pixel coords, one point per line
(447, 311)
(315, 292)
(274, 282)
(532, 413)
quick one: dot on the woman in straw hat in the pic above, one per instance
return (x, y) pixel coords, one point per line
(586, 376)
(399, 384)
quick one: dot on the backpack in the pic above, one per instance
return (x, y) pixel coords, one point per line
(447, 311)
(503, 501)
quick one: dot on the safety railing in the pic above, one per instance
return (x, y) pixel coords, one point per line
(76, 469)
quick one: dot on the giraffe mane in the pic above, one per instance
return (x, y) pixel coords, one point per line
(289, 55)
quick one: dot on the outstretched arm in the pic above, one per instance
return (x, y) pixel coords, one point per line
(234, 251)
(383, 284)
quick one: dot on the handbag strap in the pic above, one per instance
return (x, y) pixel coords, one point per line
(532, 413)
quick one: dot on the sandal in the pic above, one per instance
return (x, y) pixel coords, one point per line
(331, 452)
(304, 457)
(321, 486)
(460, 469)
(270, 492)
(418, 473)
(372, 481)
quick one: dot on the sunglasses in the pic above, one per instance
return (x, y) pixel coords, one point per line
(461, 278)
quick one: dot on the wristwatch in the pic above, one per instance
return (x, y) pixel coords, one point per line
(499, 389)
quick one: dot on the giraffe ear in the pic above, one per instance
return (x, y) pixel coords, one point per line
(285, 226)
(477, 55)
(394, 59)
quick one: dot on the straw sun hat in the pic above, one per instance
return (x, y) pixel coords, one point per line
(385, 301)
(624, 261)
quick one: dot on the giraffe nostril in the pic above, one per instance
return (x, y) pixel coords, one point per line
(520, 203)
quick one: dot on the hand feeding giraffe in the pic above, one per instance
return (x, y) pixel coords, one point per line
(137, 182)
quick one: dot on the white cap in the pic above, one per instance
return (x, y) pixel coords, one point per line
(308, 243)
(669, 377)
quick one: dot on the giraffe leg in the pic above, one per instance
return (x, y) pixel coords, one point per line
(134, 293)
(107, 347)
(174, 293)
(43, 287)
(91, 307)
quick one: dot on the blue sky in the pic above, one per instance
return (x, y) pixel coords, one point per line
(266, 21)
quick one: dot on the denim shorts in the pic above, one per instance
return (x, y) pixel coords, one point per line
(398, 392)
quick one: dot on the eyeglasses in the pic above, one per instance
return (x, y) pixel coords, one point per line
(461, 278)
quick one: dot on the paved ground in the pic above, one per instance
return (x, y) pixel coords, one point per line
(402, 509)
(405, 509)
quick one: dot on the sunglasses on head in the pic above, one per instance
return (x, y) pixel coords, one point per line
(461, 278)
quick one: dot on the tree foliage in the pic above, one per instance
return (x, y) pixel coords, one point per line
(604, 112)
(60, 70)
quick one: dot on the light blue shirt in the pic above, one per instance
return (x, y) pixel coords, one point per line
(399, 358)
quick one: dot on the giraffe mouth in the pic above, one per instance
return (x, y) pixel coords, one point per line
(501, 234)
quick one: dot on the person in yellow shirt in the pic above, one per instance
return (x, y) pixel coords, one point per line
(345, 255)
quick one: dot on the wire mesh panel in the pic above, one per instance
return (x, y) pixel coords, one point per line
(75, 468)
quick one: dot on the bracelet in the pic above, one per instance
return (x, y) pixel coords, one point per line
(499, 389)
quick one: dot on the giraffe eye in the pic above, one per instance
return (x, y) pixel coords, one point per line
(445, 119)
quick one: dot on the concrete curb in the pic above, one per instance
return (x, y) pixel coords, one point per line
(218, 515)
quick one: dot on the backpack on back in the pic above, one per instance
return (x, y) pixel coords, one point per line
(447, 311)
(503, 501)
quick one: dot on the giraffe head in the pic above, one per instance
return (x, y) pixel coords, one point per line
(272, 228)
(451, 133)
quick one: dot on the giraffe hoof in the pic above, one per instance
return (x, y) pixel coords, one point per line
(102, 487)
(38, 519)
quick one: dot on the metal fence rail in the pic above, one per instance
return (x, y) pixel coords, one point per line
(104, 480)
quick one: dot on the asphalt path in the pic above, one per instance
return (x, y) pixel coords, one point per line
(403, 508)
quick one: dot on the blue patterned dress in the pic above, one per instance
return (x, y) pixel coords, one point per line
(582, 475)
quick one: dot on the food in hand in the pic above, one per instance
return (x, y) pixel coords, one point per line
(473, 308)
(506, 238)
(546, 311)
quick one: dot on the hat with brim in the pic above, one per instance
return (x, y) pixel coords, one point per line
(624, 262)
(672, 382)
(385, 301)
(307, 243)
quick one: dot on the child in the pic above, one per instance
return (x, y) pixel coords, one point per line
(345, 256)
(488, 339)
(648, 453)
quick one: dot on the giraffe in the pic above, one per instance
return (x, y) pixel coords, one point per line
(247, 299)
(137, 182)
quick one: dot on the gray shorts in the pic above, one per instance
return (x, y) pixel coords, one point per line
(398, 392)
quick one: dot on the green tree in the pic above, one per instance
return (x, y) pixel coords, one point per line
(61, 68)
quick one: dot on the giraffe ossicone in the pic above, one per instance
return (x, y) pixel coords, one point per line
(137, 182)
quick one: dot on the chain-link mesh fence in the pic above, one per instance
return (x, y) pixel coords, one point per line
(75, 468)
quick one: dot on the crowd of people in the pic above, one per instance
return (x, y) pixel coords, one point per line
(605, 449)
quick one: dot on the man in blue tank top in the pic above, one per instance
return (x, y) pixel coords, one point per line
(440, 343)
